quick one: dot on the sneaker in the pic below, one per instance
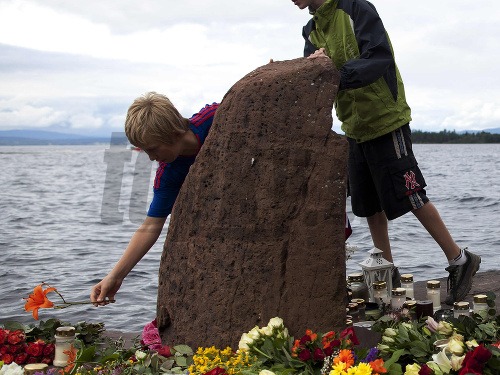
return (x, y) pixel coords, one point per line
(396, 278)
(460, 278)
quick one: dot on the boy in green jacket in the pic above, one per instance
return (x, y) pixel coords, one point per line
(384, 178)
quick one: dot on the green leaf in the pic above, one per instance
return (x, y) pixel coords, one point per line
(167, 365)
(86, 354)
(394, 358)
(394, 369)
(183, 349)
(12, 326)
(180, 361)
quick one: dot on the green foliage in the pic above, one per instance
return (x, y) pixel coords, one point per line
(89, 333)
(446, 136)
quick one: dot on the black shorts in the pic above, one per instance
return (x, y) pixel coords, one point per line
(384, 175)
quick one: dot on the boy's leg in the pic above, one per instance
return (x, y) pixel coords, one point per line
(379, 230)
(463, 264)
(380, 235)
(429, 217)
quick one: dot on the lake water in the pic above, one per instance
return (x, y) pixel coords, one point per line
(68, 212)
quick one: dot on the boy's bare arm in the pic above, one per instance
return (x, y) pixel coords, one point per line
(140, 243)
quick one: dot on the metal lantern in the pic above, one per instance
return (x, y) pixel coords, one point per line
(376, 268)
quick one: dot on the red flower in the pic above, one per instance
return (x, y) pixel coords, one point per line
(425, 370)
(475, 360)
(4, 333)
(165, 351)
(349, 334)
(318, 354)
(15, 337)
(328, 351)
(216, 371)
(305, 339)
(47, 360)
(327, 339)
(3, 349)
(7, 358)
(35, 349)
(33, 360)
(49, 350)
(13, 349)
(21, 358)
(304, 355)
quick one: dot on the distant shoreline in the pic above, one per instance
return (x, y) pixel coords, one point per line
(50, 138)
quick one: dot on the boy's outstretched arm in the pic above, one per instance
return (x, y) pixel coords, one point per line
(143, 239)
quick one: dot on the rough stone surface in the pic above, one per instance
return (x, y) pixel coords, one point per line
(258, 228)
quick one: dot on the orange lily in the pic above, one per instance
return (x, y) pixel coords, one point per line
(378, 366)
(38, 299)
(71, 353)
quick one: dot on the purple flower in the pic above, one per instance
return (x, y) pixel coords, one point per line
(371, 356)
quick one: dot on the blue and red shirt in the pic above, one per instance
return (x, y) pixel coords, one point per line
(170, 176)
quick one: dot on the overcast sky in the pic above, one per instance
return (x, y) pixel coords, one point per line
(76, 66)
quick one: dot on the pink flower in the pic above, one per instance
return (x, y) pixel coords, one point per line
(151, 336)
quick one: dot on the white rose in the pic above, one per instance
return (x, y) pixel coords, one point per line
(140, 355)
(275, 322)
(266, 331)
(390, 332)
(245, 341)
(254, 333)
(12, 369)
(444, 328)
(456, 362)
(266, 372)
(387, 339)
(472, 344)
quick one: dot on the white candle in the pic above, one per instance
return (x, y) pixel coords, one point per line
(407, 283)
(398, 298)
(434, 293)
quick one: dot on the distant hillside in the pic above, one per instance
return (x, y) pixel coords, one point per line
(492, 130)
(445, 136)
(41, 137)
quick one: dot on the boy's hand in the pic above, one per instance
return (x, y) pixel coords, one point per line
(318, 53)
(104, 292)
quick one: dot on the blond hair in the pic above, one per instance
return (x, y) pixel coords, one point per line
(153, 116)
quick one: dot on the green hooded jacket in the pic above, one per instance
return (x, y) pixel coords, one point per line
(371, 99)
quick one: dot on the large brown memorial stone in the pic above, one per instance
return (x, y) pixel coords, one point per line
(257, 230)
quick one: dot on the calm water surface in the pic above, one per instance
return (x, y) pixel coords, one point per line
(66, 221)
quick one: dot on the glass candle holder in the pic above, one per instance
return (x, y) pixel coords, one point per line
(424, 308)
(357, 285)
(480, 303)
(398, 298)
(460, 308)
(32, 368)
(353, 311)
(380, 292)
(407, 283)
(361, 308)
(65, 337)
(434, 293)
(412, 308)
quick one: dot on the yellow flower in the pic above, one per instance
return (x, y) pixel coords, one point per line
(456, 346)
(412, 369)
(361, 369)
(339, 369)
